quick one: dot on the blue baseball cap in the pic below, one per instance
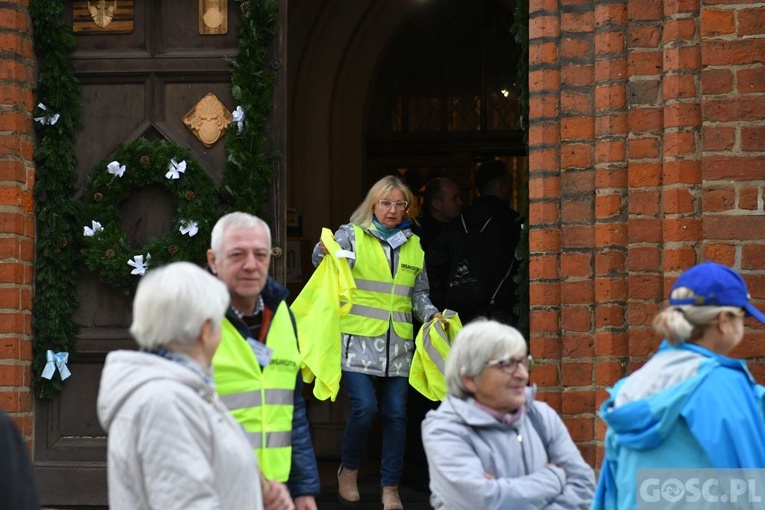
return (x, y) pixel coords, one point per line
(716, 285)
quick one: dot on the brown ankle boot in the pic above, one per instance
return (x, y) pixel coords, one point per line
(347, 489)
(390, 498)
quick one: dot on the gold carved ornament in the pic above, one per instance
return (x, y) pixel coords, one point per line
(103, 14)
(208, 120)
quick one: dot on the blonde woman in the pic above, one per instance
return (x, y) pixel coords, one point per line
(690, 405)
(377, 335)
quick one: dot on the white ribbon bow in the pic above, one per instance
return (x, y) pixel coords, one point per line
(175, 169)
(94, 229)
(56, 360)
(115, 168)
(46, 119)
(189, 228)
(139, 265)
(239, 118)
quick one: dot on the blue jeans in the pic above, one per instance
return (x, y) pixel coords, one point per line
(361, 391)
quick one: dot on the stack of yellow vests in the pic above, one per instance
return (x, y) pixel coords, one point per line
(432, 346)
(325, 299)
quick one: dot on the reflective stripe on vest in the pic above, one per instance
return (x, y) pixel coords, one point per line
(253, 398)
(438, 361)
(273, 439)
(380, 297)
(261, 399)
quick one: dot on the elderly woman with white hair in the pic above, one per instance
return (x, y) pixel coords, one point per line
(172, 443)
(490, 444)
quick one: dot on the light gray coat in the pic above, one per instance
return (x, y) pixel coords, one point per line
(476, 462)
(172, 444)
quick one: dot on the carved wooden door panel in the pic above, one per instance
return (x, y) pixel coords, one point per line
(137, 84)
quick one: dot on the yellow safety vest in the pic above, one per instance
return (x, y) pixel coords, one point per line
(379, 297)
(261, 399)
(317, 311)
(432, 346)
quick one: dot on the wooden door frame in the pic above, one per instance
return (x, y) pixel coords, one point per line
(278, 143)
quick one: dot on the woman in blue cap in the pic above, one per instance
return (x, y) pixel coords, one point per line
(689, 406)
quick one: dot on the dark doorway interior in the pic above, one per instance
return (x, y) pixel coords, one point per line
(446, 98)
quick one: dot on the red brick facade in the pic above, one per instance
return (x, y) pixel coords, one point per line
(647, 155)
(16, 212)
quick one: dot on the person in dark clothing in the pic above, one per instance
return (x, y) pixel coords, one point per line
(472, 262)
(442, 203)
(18, 490)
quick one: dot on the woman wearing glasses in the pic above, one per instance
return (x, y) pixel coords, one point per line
(690, 406)
(490, 444)
(377, 336)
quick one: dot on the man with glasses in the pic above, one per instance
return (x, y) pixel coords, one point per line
(257, 365)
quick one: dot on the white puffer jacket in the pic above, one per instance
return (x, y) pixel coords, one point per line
(172, 444)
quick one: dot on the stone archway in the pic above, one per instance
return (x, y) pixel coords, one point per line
(333, 48)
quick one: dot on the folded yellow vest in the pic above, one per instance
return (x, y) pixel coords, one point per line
(325, 299)
(432, 346)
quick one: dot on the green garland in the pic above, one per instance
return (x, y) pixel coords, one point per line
(250, 165)
(55, 296)
(249, 172)
(147, 164)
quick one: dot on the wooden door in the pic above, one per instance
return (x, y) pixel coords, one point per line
(137, 84)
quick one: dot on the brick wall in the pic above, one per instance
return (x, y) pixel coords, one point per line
(16, 212)
(646, 156)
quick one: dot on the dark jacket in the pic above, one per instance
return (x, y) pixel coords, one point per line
(304, 472)
(17, 484)
(428, 230)
(492, 250)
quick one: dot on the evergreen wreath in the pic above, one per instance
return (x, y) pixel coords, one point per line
(108, 251)
(249, 169)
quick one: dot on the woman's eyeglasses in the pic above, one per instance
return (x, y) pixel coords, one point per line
(510, 365)
(399, 206)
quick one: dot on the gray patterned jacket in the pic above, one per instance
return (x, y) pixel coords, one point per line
(388, 355)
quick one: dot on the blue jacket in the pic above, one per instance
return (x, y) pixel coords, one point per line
(304, 472)
(688, 407)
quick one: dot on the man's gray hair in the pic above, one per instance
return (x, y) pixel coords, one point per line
(171, 304)
(480, 341)
(236, 220)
